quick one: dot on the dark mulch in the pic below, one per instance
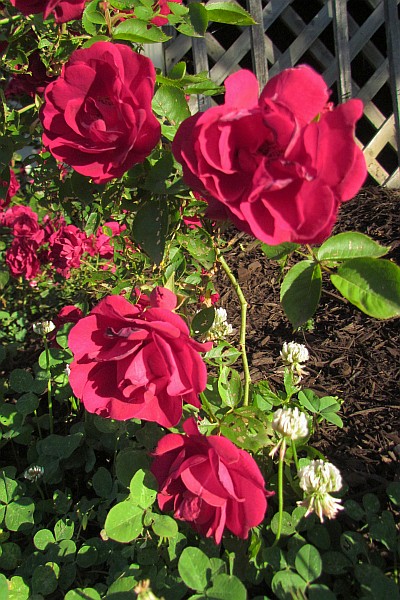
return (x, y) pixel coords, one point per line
(353, 356)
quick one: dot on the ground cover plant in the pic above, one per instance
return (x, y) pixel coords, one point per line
(142, 454)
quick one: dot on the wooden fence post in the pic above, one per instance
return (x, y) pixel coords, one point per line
(341, 35)
(393, 49)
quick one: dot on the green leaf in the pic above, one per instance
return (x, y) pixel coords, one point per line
(226, 587)
(4, 278)
(140, 32)
(371, 284)
(203, 320)
(150, 229)
(19, 514)
(288, 526)
(231, 14)
(102, 482)
(279, 251)
(43, 538)
(335, 563)
(301, 291)
(143, 488)
(21, 380)
(10, 556)
(164, 526)
(308, 563)
(194, 567)
(64, 529)
(157, 179)
(27, 403)
(17, 589)
(169, 102)
(128, 462)
(246, 428)
(287, 585)
(124, 522)
(229, 386)
(58, 446)
(54, 357)
(44, 579)
(198, 17)
(82, 594)
(92, 14)
(319, 591)
(393, 491)
(350, 245)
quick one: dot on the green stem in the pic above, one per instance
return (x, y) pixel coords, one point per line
(25, 108)
(280, 490)
(49, 396)
(295, 457)
(243, 314)
(9, 19)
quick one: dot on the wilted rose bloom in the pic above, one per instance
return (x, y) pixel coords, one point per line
(66, 246)
(64, 10)
(22, 258)
(23, 222)
(277, 166)
(29, 84)
(9, 190)
(136, 362)
(209, 482)
(97, 115)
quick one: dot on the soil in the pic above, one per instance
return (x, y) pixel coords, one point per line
(352, 356)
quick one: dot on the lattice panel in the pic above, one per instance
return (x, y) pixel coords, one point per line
(355, 45)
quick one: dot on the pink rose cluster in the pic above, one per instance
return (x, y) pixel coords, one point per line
(51, 242)
(279, 165)
(139, 361)
(63, 10)
(97, 115)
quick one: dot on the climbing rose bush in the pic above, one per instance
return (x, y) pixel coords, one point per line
(209, 482)
(63, 10)
(280, 165)
(137, 361)
(97, 115)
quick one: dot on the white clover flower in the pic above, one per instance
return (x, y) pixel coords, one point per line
(43, 327)
(220, 327)
(318, 479)
(293, 355)
(289, 424)
(34, 473)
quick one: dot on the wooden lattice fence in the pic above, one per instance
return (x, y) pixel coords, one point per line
(355, 44)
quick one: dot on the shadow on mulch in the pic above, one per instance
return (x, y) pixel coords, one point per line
(352, 355)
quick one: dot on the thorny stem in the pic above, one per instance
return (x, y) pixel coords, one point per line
(49, 397)
(243, 314)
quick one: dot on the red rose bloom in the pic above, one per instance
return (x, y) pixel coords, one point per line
(136, 362)
(66, 248)
(209, 482)
(97, 115)
(24, 223)
(64, 10)
(278, 166)
(22, 258)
